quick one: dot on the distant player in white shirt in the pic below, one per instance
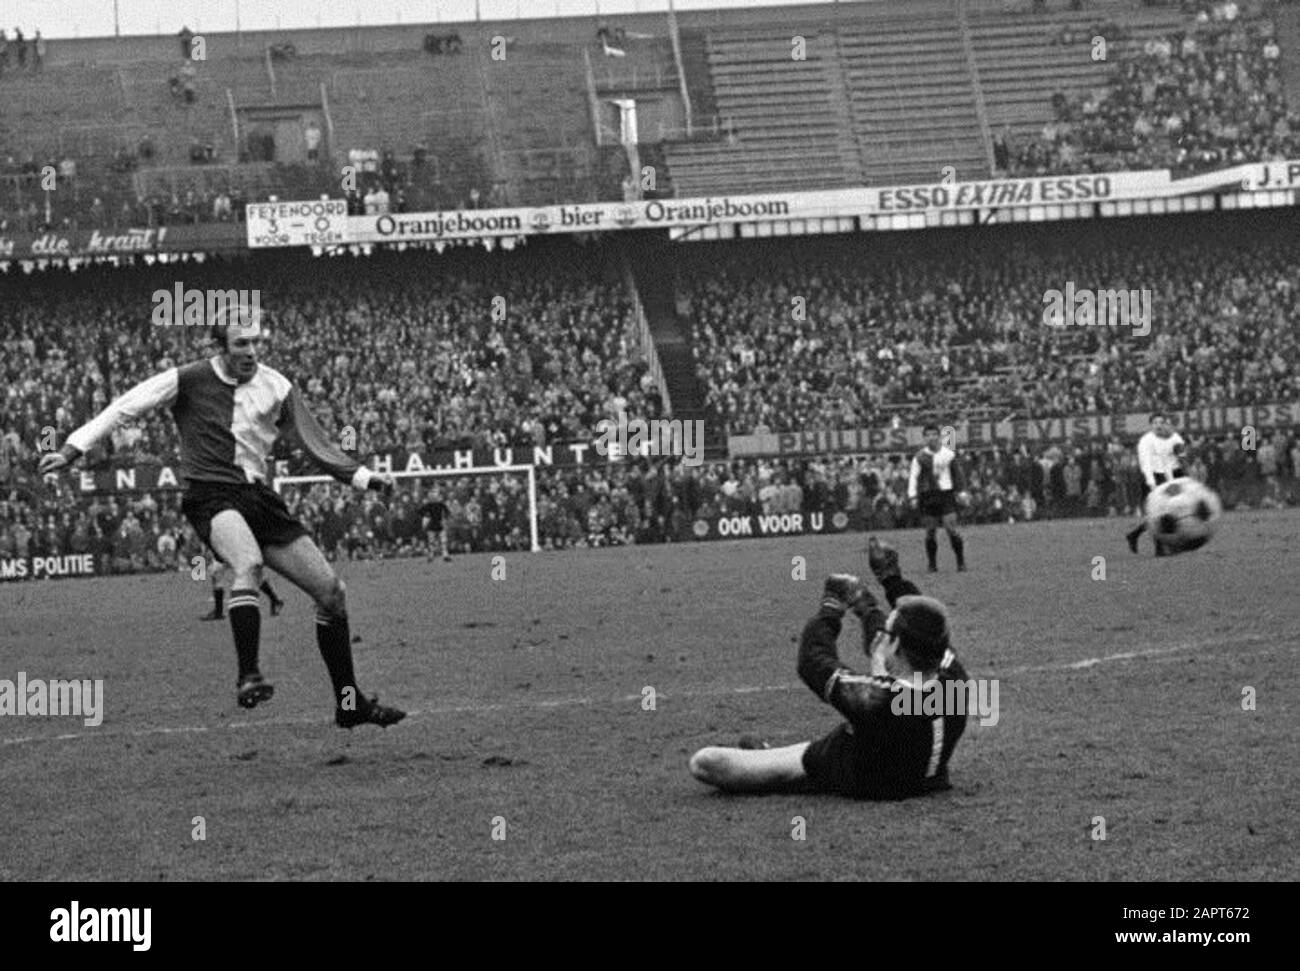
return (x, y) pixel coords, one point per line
(934, 488)
(1160, 457)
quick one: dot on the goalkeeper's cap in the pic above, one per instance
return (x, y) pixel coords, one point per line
(921, 625)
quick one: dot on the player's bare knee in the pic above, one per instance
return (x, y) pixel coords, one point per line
(334, 601)
(247, 574)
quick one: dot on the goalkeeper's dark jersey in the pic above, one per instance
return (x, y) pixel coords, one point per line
(433, 515)
(879, 753)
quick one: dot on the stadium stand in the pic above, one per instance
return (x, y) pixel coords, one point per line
(899, 329)
(954, 323)
(916, 330)
(1206, 95)
(507, 116)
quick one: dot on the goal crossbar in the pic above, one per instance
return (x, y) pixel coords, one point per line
(530, 470)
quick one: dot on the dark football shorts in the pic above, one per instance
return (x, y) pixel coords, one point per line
(263, 510)
(1161, 479)
(937, 504)
(834, 765)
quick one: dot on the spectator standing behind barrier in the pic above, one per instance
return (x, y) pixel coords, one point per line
(311, 138)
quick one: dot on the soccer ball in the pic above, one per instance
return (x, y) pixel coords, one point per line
(1183, 514)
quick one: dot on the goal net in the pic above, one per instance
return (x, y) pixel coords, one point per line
(488, 509)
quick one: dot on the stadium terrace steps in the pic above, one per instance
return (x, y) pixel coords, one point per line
(48, 114)
(647, 64)
(171, 124)
(650, 262)
(881, 97)
(787, 131)
(380, 107)
(912, 99)
(898, 89)
(546, 147)
(524, 120)
(1020, 66)
(699, 84)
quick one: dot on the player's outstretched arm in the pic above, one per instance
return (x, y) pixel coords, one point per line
(153, 393)
(298, 421)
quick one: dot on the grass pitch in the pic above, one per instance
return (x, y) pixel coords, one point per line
(1120, 698)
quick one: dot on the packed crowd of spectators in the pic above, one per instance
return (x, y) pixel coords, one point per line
(404, 352)
(410, 351)
(646, 501)
(535, 346)
(840, 334)
(1210, 96)
(640, 502)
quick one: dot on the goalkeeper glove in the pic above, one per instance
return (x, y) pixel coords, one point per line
(883, 560)
(844, 592)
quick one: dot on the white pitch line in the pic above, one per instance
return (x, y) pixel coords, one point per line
(576, 702)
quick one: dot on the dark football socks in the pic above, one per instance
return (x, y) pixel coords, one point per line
(958, 549)
(218, 601)
(269, 591)
(335, 643)
(931, 549)
(246, 625)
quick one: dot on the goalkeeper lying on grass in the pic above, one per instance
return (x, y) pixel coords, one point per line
(886, 748)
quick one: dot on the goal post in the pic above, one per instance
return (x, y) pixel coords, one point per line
(529, 470)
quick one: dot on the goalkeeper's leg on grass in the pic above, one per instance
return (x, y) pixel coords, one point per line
(734, 769)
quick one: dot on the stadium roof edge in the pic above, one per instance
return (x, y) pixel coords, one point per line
(72, 49)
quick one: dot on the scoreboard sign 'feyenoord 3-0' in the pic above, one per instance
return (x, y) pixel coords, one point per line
(325, 222)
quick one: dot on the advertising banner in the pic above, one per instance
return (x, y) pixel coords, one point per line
(775, 524)
(1199, 421)
(81, 243)
(326, 222)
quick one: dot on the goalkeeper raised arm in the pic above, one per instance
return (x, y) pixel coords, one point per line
(885, 747)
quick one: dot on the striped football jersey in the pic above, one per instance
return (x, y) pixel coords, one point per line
(227, 429)
(933, 472)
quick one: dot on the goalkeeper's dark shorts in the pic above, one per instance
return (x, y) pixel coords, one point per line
(835, 764)
(262, 508)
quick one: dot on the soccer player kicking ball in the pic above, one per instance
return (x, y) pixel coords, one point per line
(881, 750)
(230, 409)
(933, 487)
(1160, 458)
